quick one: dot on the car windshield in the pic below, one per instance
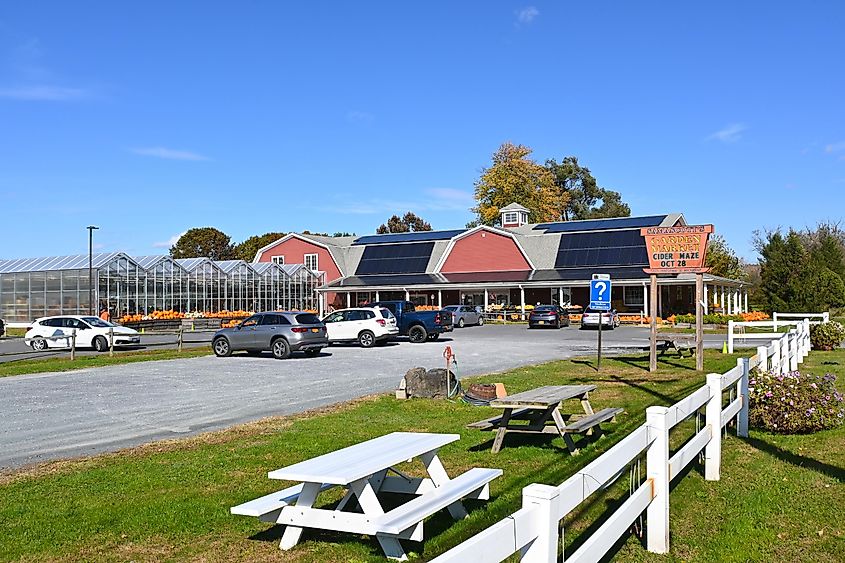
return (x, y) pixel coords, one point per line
(451, 308)
(307, 319)
(97, 322)
(545, 308)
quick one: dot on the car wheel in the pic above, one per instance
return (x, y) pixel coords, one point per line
(221, 348)
(417, 334)
(281, 349)
(366, 339)
(480, 321)
(38, 344)
(100, 344)
(461, 322)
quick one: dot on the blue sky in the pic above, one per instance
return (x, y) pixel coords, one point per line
(151, 118)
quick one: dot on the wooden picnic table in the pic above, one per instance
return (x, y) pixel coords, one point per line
(531, 411)
(363, 470)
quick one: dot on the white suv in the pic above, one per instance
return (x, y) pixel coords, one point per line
(368, 326)
(91, 332)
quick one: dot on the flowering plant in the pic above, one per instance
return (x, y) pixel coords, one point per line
(827, 336)
(795, 402)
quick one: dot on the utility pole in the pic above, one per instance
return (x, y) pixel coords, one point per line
(91, 229)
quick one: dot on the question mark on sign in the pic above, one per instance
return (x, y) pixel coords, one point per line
(602, 287)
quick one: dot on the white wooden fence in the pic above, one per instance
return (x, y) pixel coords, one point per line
(534, 531)
(736, 329)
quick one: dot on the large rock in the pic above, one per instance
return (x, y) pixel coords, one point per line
(423, 384)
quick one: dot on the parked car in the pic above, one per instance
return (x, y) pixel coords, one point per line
(367, 326)
(548, 315)
(91, 332)
(463, 315)
(282, 333)
(418, 326)
(609, 319)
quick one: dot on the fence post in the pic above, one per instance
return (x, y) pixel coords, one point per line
(657, 469)
(73, 344)
(179, 339)
(784, 353)
(713, 419)
(825, 317)
(774, 322)
(776, 356)
(546, 502)
(111, 342)
(742, 392)
(730, 337)
(807, 344)
(763, 354)
(793, 350)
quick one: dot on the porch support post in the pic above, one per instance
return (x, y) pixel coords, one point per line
(440, 298)
(722, 298)
(377, 296)
(745, 298)
(486, 299)
(706, 299)
(522, 301)
(348, 299)
(407, 295)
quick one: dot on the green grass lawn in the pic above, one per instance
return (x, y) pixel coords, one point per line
(780, 497)
(64, 363)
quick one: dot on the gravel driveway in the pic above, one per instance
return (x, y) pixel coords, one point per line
(57, 415)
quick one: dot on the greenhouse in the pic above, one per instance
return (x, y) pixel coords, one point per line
(127, 285)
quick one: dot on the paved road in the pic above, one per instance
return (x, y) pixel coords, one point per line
(13, 349)
(57, 415)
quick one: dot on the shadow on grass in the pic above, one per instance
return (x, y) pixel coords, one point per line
(797, 460)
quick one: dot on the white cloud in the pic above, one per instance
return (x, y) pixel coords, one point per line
(359, 117)
(44, 93)
(835, 147)
(730, 134)
(170, 242)
(170, 154)
(526, 15)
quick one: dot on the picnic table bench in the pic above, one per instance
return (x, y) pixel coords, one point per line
(363, 470)
(681, 345)
(541, 406)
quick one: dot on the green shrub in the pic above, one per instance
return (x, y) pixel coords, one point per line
(794, 403)
(827, 336)
(711, 319)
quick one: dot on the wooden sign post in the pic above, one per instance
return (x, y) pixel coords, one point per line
(677, 250)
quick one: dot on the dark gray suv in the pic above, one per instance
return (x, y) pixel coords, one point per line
(280, 333)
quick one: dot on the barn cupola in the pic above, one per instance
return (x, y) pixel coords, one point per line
(513, 215)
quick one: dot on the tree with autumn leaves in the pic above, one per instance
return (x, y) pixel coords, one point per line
(551, 192)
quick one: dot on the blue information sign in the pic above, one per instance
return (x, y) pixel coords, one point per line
(600, 295)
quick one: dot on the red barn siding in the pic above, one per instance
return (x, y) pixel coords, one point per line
(484, 251)
(294, 251)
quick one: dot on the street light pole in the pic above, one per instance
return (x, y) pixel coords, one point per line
(91, 229)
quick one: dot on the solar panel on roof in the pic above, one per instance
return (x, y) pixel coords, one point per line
(419, 236)
(601, 249)
(395, 259)
(596, 224)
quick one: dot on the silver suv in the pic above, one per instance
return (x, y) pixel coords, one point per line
(280, 333)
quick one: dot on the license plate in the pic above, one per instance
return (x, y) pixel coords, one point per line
(315, 330)
(541, 322)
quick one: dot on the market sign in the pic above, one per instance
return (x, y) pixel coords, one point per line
(676, 250)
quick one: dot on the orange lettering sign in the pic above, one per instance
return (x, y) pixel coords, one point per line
(676, 250)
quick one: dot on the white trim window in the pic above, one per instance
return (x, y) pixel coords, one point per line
(312, 262)
(280, 260)
(633, 295)
(510, 218)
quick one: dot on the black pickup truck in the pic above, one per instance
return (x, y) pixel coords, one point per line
(418, 326)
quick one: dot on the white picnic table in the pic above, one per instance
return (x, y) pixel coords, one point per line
(363, 470)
